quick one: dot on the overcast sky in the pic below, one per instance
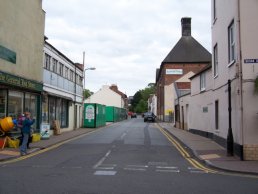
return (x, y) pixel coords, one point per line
(125, 40)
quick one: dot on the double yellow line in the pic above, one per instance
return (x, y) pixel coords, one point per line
(184, 153)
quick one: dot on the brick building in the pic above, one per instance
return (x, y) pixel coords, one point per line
(188, 55)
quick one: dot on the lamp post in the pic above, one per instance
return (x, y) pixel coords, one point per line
(83, 88)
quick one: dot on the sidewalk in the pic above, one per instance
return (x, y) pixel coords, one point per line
(10, 153)
(210, 152)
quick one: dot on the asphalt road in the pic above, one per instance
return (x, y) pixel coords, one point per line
(129, 157)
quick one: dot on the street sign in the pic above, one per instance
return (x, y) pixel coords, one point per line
(250, 60)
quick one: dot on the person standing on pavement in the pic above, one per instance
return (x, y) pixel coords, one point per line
(26, 125)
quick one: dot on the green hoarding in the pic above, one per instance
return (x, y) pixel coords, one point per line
(115, 114)
(94, 115)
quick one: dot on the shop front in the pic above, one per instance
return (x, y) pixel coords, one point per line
(18, 95)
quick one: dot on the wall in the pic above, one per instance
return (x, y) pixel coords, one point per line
(22, 31)
(106, 97)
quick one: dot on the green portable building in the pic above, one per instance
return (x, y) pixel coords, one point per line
(94, 115)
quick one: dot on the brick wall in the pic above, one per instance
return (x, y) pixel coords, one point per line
(250, 152)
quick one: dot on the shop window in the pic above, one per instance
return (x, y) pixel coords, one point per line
(45, 109)
(31, 106)
(15, 104)
(52, 110)
(58, 110)
(64, 114)
(3, 101)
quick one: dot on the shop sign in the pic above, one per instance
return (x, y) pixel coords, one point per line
(89, 113)
(7, 54)
(20, 82)
(174, 71)
(44, 130)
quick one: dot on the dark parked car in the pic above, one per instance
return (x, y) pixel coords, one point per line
(134, 115)
(149, 116)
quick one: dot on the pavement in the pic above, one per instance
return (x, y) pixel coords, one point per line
(209, 152)
(204, 149)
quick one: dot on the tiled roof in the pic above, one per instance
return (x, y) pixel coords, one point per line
(188, 50)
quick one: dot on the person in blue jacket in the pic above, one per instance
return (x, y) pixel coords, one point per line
(26, 125)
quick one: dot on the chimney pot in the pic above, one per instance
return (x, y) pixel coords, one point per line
(186, 26)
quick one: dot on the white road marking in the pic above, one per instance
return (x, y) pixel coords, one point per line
(160, 170)
(138, 166)
(100, 162)
(72, 167)
(157, 163)
(196, 170)
(135, 169)
(122, 136)
(105, 173)
(166, 167)
(107, 166)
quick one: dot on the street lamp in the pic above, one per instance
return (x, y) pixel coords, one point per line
(90, 68)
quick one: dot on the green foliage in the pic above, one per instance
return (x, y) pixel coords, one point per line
(87, 93)
(140, 99)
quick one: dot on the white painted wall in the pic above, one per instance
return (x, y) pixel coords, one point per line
(22, 31)
(107, 97)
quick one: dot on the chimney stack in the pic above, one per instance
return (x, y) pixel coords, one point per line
(186, 26)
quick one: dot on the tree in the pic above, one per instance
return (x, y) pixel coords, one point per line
(87, 93)
(140, 99)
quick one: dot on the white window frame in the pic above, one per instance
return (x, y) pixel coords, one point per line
(231, 43)
(215, 60)
(214, 11)
(47, 61)
(203, 81)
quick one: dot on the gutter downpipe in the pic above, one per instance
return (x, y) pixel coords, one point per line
(75, 111)
(240, 82)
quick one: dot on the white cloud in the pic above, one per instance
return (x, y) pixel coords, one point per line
(126, 40)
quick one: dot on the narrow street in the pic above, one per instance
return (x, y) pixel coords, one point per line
(129, 157)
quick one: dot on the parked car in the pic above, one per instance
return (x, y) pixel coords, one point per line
(149, 116)
(134, 115)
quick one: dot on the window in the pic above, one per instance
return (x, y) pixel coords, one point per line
(61, 69)
(47, 61)
(58, 110)
(214, 10)
(31, 105)
(202, 81)
(54, 65)
(66, 72)
(216, 114)
(231, 43)
(64, 114)
(15, 103)
(3, 101)
(81, 80)
(215, 60)
(71, 75)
